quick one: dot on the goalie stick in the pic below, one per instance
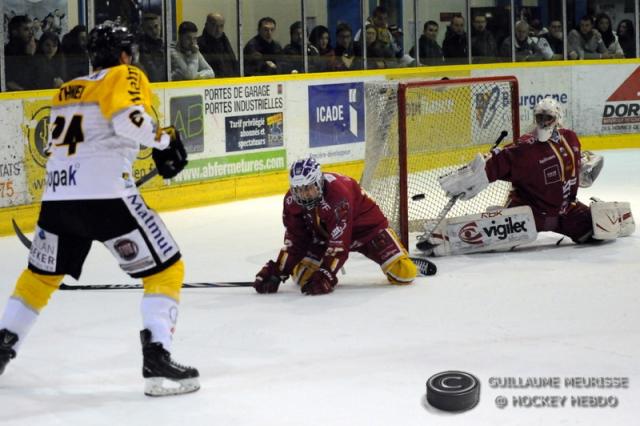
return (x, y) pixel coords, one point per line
(27, 242)
(423, 239)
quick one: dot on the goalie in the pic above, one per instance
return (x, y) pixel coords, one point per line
(545, 168)
(327, 215)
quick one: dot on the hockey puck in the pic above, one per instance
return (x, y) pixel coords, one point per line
(418, 197)
(453, 391)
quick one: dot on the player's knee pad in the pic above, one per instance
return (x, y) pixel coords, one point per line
(401, 270)
(35, 289)
(303, 271)
(611, 219)
(167, 282)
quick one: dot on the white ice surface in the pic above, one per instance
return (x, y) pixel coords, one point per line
(359, 356)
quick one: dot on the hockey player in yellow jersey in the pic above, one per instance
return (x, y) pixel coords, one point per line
(98, 123)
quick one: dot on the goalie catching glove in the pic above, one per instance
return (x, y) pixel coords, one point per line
(590, 167)
(467, 181)
(171, 160)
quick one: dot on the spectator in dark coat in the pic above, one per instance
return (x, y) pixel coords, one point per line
(216, 48)
(152, 48)
(555, 39)
(50, 62)
(344, 58)
(320, 40)
(454, 46)
(263, 54)
(20, 69)
(627, 38)
(74, 48)
(429, 49)
(483, 44)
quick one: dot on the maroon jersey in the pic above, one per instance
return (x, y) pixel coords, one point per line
(346, 219)
(544, 174)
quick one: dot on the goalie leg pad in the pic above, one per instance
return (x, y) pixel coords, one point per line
(495, 230)
(303, 271)
(611, 219)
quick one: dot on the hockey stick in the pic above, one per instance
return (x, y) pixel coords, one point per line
(423, 239)
(64, 286)
(27, 242)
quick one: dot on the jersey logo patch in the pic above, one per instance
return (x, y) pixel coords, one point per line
(551, 174)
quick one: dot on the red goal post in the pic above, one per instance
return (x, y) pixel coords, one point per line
(419, 130)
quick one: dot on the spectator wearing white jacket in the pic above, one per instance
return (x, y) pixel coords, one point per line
(187, 63)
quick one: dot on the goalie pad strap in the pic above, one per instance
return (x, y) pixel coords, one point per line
(494, 230)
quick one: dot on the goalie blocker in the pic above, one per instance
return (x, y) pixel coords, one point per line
(501, 229)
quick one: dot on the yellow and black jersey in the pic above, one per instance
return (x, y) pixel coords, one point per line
(98, 123)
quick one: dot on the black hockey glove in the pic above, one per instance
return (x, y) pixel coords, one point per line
(170, 161)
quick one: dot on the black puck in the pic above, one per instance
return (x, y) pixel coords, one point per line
(418, 197)
(453, 391)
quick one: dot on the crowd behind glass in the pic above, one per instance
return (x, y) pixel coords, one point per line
(38, 56)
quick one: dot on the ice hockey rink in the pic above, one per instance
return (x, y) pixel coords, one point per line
(359, 356)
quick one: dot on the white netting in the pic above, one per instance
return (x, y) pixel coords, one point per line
(446, 125)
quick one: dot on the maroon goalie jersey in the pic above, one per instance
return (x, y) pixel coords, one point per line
(344, 220)
(545, 177)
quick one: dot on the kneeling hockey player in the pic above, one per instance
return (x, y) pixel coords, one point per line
(98, 124)
(327, 215)
(545, 168)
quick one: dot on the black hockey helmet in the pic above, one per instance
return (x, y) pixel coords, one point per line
(106, 41)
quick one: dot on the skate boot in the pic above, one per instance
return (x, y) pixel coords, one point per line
(158, 366)
(7, 341)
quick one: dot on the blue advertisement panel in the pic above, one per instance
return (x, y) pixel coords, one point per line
(256, 131)
(336, 114)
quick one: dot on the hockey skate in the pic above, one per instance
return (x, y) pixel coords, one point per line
(158, 366)
(7, 341)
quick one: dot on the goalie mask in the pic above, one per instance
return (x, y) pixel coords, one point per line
(305, 179)
(547, 117)
(106, 42)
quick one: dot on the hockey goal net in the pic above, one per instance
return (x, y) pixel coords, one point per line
(420, 130)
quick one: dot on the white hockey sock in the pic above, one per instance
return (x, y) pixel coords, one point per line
(159, 315)
(18, 318)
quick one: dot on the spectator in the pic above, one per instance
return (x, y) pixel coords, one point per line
(527, 48)
(187, 63)
(50, 62)
(627, 38)
(454, 46)
(320, 40)
(385, 42)
(378, 54)
(536, 29)
(19, 62)
(216, 48)
(293, 60)
(74, 48)
(483, 44)
(610, 40)
(429, 50)
(262, 54)
(397, 44)
(151, 46)
(345, 58)
(586, 43)
(555, 39)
